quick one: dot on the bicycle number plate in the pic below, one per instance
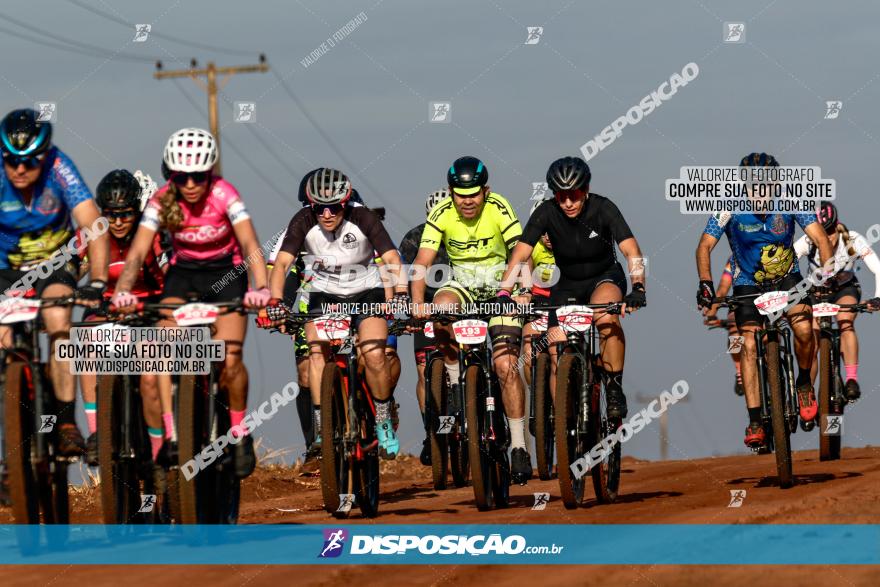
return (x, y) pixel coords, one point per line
(540, 325)
(470, 331)
(333, 327)
(577, 318)
(771, 302)
(825, 309)
(196, 314)
(429, 329)
(14, 310)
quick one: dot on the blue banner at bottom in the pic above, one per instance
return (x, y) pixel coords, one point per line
(585, 544)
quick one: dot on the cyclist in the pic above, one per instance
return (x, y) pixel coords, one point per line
(478, 228)
(582, 228)
(341, 237)
(763, 256)
(119, 196)
(422, 344)
(712, 319)
(41, 194)
(211, 231)
(849, 246)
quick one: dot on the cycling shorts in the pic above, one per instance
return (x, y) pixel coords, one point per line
(850, 288)
(747, 313)
(570, 291)
(318, 301)
(502, 329)
(205, 284)
(422, 345)
(66, 275)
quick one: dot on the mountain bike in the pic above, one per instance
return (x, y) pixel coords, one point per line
(541, 414)
(581, 416)
(776, 377)
(832, 399)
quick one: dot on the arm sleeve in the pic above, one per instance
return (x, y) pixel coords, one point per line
(374, 230)
(536, 226)
(73, 186)
(432, 235)
(867, 254)
(802, 246)
(717, 223)
(276, 248)
(296, 232)
(804, 220)
(619, 228)
(508, 223)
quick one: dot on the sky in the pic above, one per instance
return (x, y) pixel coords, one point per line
(364, 105)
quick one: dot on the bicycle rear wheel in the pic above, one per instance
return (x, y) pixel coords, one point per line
(829, 444)
(606, 475)
(19, 430)
(571, 442)
(781, 432)
(120, 488)
(436, 398)
(482, 469)
(336, 474)
(457, 440)
(544, 439)
(190, 430)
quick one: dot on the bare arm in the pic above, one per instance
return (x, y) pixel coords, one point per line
(247, 238)
(392, 262)
(85, 214)
(424, 259)
(521, 253)
(283, 261)
(704, 256)
(140, 247)
(635, 262)
(820, 239)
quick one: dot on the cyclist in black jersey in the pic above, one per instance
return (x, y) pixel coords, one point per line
(583, 228)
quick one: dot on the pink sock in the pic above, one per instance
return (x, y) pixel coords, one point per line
(852, 372)
(156, 444)
(168, 421)
(91, 417)
(235, 419)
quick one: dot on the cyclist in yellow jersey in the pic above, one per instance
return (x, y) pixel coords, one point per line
(544, 265)
(478, 228)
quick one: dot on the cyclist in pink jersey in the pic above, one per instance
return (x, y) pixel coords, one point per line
(211, 231)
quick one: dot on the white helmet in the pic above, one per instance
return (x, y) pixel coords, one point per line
(148, 187)
(535, 206)
(191, 150)
(435, 198)
(328, 186)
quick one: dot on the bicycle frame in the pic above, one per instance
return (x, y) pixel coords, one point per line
(782, 334)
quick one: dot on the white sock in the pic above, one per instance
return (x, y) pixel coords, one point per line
(453, 371)
(517, 432)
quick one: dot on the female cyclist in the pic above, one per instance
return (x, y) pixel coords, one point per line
(849, 246)
(211, 230)
(119, 198)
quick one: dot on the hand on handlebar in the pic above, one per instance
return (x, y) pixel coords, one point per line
(705, 294)
(873, 304)
(124, 301)
(257, 298)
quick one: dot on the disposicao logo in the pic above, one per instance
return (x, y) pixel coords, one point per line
(334, 541)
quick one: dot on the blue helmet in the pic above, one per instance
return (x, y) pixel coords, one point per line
(759, 160)
(22, 134)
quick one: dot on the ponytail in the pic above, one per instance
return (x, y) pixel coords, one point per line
(170, 214)
(843, 233)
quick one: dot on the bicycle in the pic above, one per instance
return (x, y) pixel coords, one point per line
(36, 473)
(581, 419)
(832, 400)
(776, 378)
(541, 412)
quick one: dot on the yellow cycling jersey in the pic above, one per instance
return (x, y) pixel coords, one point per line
(543, 259)
(478, 248)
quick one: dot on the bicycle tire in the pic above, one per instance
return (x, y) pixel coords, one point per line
(437, 406)
(544, 437)
(829, 445)
(189, 433)
(225, 486)
(18, 429)
(606, 475)
(120, 489)
(569, 443)
(367, 466)
(336, 476)
(481, 468)
(781, 434)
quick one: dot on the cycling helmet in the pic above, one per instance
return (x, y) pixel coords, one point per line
(119, 189)
(759, 160)
(166, 173)
(22, 134)
(467, 175)
(328, 186)
(190, 150)
(568, 173)
(435, 198)
(827, 215)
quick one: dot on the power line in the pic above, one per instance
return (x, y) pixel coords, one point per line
(171, 38)
(45, 43)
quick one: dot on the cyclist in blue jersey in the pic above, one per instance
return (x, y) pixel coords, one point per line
(764, 260)
(41, 195)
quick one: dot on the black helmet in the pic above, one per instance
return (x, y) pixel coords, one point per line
(759, 160)
(467, 175)
(827, 215)
(568, 173)
(22, 134)
(119, 189)
(166, 173)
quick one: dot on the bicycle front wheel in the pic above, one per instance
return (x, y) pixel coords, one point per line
(436, 399)
(482, 467)
(571, 439)
(337, 476)
(19, 431)
(120, 488)
(781, 432)
(544, 440)
(606, 475)
(829, 444)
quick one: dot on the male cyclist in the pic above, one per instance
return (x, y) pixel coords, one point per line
(41, 195)
(849, 246)
(478, 228)
(422, 344)
(583, 228)
(764, 260)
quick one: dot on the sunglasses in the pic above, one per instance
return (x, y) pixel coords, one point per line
(29, 161)
(115, 214)
(334, 208)
(568, 195)
(182, 179)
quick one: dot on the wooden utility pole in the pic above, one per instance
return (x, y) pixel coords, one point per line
(210, 73)
(664, 423)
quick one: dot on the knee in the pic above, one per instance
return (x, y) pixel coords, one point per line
(374, 359)
(846, 325)
(233, 367)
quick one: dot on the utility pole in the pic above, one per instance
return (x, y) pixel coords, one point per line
(664, 423)
(210, 73)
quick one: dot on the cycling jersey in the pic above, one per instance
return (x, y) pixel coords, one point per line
(150, 278)
(478, 248)
(761, 245)
(583, 246)
(543, 260)
(206, 233)
(342, 261)
(844, 262)
(31, 233)
(409, 248)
